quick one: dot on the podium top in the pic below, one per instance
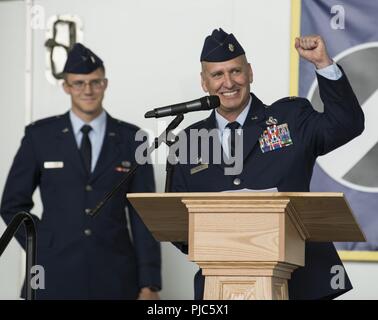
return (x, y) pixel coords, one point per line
(324, 216)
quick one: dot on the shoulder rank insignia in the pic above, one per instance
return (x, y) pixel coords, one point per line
(275, 137)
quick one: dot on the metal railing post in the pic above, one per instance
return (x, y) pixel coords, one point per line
(26, 219)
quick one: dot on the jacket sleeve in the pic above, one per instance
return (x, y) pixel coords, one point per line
(23, 178)
(341, 121)
(147, 249)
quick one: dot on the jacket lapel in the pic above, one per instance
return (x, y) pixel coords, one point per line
(110, 149)
(68, 146)
(253, 126)
(208, 124)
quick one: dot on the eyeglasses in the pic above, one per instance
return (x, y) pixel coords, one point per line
(79, 85)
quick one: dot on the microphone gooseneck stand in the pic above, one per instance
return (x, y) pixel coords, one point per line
(169, 167)
(157, 142)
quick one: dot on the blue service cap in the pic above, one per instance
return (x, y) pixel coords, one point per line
(81, 60)
(221, 46)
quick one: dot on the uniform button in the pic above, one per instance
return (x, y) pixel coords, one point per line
(88, 187)
(87, 232)
(237, 181)
(88, 211)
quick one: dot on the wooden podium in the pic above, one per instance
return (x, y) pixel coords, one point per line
(247, 243)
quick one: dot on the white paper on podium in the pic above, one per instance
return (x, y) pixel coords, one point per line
(252, 190)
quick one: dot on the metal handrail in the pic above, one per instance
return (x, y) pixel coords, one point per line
(27, 219)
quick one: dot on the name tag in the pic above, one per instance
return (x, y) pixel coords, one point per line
(199, 168)
(53, 164)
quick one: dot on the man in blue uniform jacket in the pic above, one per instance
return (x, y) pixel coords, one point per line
(280, 142)
(75, 159)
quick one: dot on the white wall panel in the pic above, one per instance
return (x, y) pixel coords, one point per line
(12, 114)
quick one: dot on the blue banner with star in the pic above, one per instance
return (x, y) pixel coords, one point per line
(350, 31)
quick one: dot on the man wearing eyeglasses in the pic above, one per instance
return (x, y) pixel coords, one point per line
(75, 159)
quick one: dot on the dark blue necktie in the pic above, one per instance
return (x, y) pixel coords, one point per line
(86, 147)
(233, 127)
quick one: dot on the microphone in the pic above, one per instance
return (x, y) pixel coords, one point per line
(204, 103)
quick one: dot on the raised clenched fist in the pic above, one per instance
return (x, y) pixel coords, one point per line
(313, 49)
